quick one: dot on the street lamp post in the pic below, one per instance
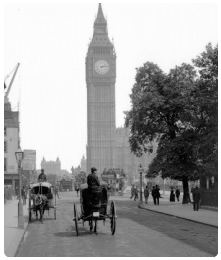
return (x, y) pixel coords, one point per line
(141, 183)
(19, 157)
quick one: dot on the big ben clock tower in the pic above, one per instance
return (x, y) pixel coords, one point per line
(100, 79)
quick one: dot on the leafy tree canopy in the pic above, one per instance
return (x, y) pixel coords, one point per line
(180, 109)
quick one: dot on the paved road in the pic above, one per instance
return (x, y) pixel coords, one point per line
(139, 233)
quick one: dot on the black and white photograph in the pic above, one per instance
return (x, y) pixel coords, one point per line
(110, 128)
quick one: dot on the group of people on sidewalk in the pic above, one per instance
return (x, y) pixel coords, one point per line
(155, 192)
(134, 192)
(175, 194)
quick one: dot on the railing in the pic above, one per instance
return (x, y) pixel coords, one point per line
(209, 198)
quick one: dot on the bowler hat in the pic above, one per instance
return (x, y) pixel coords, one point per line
(93, 169)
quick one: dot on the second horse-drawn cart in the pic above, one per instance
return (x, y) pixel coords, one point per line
(94, 206)
(41, 198)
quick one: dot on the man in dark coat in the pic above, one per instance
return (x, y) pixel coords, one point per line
(196, 199)
(135, 193)
(93, 191)
(157, 192)
(92, 179)
(172, 195)
(177, 194)
(153, 193)
(42, 176)
(146, 194)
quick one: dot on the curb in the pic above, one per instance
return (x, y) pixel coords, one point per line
(195, 221)
(21, 239)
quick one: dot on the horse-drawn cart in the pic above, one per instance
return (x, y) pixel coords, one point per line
(41, 198)
(94, 206)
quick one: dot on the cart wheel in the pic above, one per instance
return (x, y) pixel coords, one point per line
(113, 217)
(29, 215)
(29, 211)
(76, 219)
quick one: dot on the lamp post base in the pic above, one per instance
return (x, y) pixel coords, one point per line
(20, 215)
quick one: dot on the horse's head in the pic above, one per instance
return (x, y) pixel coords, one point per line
(37, 199)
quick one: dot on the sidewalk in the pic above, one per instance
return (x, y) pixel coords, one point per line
(12, 234)
(185, 211)
(205, 215)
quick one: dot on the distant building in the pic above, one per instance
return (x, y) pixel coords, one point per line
(51, 167)
(11, 144)
(65, 174)
(107, 147)
(83, 164)
(128, 161)
(100, 79)
(75, 170)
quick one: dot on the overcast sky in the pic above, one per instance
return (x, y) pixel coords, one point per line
(50, 40)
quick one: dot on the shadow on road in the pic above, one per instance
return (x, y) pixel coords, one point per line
(72, 233)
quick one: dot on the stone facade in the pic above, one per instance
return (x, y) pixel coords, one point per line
(51, 167)
(125, 159)
(107, 147)
(83, 164)
(11, 143)
(100, 79)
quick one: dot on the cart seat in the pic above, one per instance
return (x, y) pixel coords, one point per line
(94, 198)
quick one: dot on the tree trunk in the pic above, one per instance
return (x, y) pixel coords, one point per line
(186, 194)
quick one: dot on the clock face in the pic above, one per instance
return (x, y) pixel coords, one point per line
(101, 67)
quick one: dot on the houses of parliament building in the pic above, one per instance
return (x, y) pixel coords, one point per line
(107, 146)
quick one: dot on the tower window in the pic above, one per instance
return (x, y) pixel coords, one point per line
(5, 131)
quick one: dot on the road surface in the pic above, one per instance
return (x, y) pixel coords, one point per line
(139, 233)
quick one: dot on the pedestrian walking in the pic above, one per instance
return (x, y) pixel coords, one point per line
(77, 190)
(146, 194)
(172, 195)
(23, 195)
(56, 192)
(177, 194)
(132, 192)
(135, 193)
(196, 198)
(157, 192)
(153, 193)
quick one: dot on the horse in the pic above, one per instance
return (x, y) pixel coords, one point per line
(40, 204)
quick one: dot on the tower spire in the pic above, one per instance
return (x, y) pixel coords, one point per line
(100, 16)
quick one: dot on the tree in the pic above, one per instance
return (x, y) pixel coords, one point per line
(160, 109)
(205, 118)
(180, 109)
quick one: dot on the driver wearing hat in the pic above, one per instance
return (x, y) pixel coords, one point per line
(92, 179)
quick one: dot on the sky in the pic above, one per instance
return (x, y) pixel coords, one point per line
(50, 40)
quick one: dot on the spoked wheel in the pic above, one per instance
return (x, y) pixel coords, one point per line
(76, 219)
(29, 211)
(29, 215)
(112, 217)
